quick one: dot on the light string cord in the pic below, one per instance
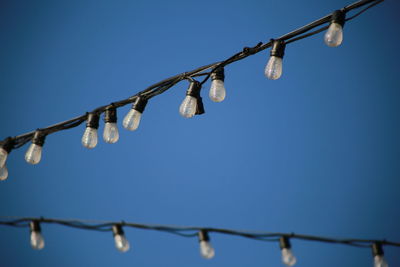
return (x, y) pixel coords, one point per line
(190, 231)
(162, 86)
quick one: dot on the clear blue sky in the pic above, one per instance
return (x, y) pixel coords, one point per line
(316, 152)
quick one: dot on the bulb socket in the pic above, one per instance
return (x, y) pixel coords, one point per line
(194, 91)
(377, 249)
(110, 115)
(339, 17)
(8, 144)
(117, 230)
(203, 236)
(139, 104)
(284, 242)
(35, 226)
(278, 48)
(218, 74)
(38, 138)
(92, 120)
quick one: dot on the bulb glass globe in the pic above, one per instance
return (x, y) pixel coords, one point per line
(34, 154)
(273, 70)
(334, 35)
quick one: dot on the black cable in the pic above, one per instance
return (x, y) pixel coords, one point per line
(191, 231)
(162, 86)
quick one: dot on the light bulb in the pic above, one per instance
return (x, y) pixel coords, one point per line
(37, 240)
(287, 257)
(334, 35)
(217, 91)
(89, 137)
(34, 153)
(206, 250)
(132, 119)
(3, 156)
(121, 243)
(3, 173)
(110, 134)
(379, 261)
(188, 107)
(273, 70)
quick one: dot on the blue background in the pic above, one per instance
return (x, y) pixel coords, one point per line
(316, 152)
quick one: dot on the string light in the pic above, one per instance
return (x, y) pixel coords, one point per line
(287, 255)
(37, 240)
(110, 133)
(90, 137)
(192, 104)
(377, 252)
(334, 35)
(273, 70)
(132, 119)
(217, 90)
(34, 153)
(206, 250)
(121, 243)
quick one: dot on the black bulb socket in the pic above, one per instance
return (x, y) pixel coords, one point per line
(8, 144)
(377, 249)
(194, 91)
(278, 48)
(35, 226)
(284, 242)
(117, 230)
(139, 104)
(218, 74)
(110, 115)
(38, 138)
(203, 236)
(92, 120)
(339, 17)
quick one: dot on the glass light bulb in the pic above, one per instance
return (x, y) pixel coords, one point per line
(132, 120)
(89, 138)
(273, 70)
(188, 107)
(379, 261)
(110, 134)
(121, 243)
(3, 156)
(287, 257)
(33, 154)
(3, 173)
(206, 250)
(37, 241)
(217, 91)
(334, 35)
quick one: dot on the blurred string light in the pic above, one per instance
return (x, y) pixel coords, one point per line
(192, 103)
(202, 233)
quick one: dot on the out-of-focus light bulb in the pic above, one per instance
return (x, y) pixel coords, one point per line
(132, 119)
(34, 153)
(287, 255)
(3, 156)
(90, 136)
(5, 149)
(110, 133)
(192, 104)
(206, 250)
(273, 70)
(217, 91)
(3, 173)
(334, 35)
(377, 252)
(37, 240)
(121, 243)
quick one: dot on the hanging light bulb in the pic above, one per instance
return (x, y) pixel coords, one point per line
(334, 35)
(206, 250)
(132, 119)
(192, 104)
(217, 91)
(34, 153)
(121, 243)
(287, 255)
(5, 149)
(377, 252)
(273, 70)
(3, 173)
(89, 138)
(37, 241)
(110, 133)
